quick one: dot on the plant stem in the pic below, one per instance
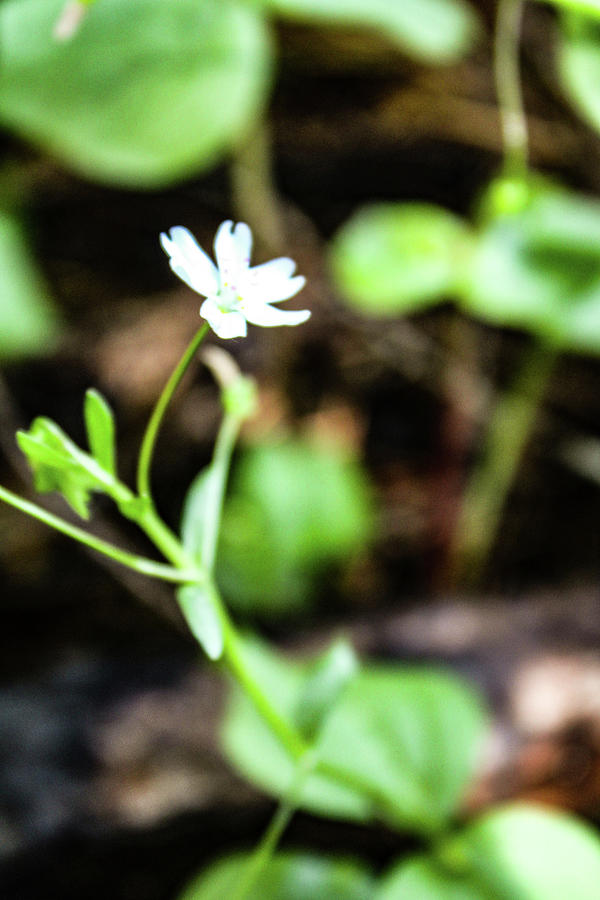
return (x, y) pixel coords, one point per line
(179, 574)
(150, 435)
(254, 192)
(508, 86)
(486, 492)
(286, 809)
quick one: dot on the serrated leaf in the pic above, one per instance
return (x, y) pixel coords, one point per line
(59, 465)
(198, 604)
(286, 876)
(147, 92)
(409, 736)
(434, 31)
(398, 258)
(100, 428)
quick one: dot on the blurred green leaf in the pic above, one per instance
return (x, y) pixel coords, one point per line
(294, 509)
(147, 91)
(538, 269)
(405, 738)
(399, 258)
(434, 31)
(28, 324)
(423, 878)
(579, 64)
(100, 428)
(518, 852)
(587, 7)
(198, 604)
(194, 512)
(326, 678)
(287, 876)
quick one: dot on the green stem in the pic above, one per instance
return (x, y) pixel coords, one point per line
(289, 737)
(486, 492)
(180, 574)
(286, 809)
(151, 433)
(253, 189)
(508, 86)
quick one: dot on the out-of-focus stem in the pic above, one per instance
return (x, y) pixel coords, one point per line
(254, 193)
(486, 492)
(508, 86)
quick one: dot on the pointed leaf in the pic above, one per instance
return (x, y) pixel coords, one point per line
(327, 678)
(100, 428)
(199, 606)
(193, 516)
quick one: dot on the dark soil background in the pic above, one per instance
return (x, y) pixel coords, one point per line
(111, 782)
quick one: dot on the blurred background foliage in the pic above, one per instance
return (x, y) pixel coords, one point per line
(455, 290)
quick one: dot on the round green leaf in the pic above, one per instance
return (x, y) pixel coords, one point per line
(579, 64)
(146, 92)
(538, 269)
(310, 506)
(287, 876)
(402, 742)
(397, 258)
(434, 31)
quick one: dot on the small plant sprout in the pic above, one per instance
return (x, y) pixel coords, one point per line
(235, 292)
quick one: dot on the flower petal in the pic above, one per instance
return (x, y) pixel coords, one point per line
(189, 261)
(224, 324)
(243, 239)
(270, 316)
(270, 288)
(229, 257)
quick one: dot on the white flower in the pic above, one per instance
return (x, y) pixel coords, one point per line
(235, 293)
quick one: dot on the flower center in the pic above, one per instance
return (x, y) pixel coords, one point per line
(228, 299)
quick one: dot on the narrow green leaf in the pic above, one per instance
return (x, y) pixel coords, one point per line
(199, 607)
(100, 428)
(327, 677)
(194, 513)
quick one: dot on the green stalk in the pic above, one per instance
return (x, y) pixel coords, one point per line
(508, 86)
(151, 433)
(508, 431)
(180, 574)
(286, 809)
